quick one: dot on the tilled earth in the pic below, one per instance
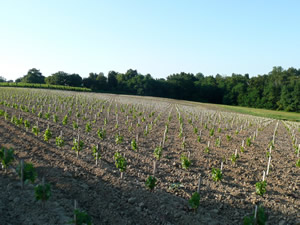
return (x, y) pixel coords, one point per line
(109, 200)
(106, 199)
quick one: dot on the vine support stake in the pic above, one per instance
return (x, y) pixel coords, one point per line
(268, 167)
(75, 207)
(255, 212)
(78, 145)
(97, 158)
(154, 167)
(22, 173)
(43, 184)
(97, 154)
(199, 184)
(164, 138)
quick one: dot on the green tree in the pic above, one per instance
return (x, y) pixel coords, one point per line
(182, 85)
(112, 81)
(58, 78)
(74, 80)
(101, 81)
(33, 76)
(2, 79)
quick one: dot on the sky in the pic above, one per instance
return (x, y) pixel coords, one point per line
(159, 37)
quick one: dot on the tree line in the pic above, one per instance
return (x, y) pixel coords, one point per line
(277, 90)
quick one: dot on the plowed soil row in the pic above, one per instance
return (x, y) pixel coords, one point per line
(109, 200)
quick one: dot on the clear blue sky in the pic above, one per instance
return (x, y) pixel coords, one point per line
(159, 37)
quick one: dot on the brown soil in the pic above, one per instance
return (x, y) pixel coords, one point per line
(110, 200)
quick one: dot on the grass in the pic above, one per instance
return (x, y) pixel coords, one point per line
(45, 86)
(280, 115)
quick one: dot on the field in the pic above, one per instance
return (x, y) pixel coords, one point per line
(182, 133)
(279, 115)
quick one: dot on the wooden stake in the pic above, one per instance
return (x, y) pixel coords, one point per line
(96, 158)
(164, 138)
(97, 154)
(268, 167)
(5, 154)
(199, 184)
(154, 167)
(22, 173)
(43, 185)
(75, 207)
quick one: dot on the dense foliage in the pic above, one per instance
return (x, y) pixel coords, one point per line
(150, 182)
(6, 157)
(42, 192)
(194, 201)
(29, 172)
(277, 90)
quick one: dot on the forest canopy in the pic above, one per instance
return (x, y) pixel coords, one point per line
(277, 90)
